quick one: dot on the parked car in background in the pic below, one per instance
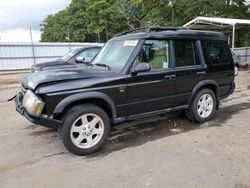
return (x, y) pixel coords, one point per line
(80, 56)
(236, 59)
(133, 76)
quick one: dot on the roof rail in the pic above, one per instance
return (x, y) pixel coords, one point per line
(152, 29)
(159, 28)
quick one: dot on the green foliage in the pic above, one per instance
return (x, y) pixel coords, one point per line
(102, 17)
(94, 20)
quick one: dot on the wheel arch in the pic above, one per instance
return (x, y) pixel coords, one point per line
(210, 84)
(97, 98)
(237, 65)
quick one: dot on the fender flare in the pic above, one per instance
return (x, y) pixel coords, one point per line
(204, 83)
(86, 95)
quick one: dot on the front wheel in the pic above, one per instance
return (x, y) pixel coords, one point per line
(203, 106)
(85, 130)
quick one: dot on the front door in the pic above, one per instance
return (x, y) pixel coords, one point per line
(153, 90)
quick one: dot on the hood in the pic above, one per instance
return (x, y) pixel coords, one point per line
(31, 81)
(49, 63)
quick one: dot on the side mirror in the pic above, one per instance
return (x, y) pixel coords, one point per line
(80, 59)
(141, 67)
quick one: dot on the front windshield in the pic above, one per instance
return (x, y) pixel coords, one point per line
(115, 54)
(70, 54)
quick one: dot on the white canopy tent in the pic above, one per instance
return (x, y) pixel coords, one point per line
(225, 25)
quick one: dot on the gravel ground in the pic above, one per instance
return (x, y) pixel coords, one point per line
(10, 80)
(161, 151)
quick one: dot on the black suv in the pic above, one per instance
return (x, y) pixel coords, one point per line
(135, 75)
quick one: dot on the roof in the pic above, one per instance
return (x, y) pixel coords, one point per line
(89, 47)
(213, 23)
(180, 33)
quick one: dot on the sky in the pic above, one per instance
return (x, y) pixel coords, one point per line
(16, 16)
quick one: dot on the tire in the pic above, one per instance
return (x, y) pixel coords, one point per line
(203, 106)
(59, 132)
(85, 129)
(236, 70)
(188, 115)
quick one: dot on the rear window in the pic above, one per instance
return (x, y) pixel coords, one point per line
(217, 52)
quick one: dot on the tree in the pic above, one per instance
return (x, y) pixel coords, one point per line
(55, 27)
(102, 17)
(94, 20)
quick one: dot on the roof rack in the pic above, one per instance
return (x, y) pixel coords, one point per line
(152, 29)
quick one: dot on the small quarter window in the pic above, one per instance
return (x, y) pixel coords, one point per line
(185, 53)
(217, 52)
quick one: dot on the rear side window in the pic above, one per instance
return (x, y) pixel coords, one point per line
(185, 53)
(217, 52)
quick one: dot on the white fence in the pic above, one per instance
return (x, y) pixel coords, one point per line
(244, 53)
(17, 56)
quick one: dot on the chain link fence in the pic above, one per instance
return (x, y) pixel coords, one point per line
(244, 53)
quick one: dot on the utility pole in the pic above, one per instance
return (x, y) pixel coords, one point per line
(106, 31)
(69, 39)
(99, 37)
(32, 47)
(173, 2)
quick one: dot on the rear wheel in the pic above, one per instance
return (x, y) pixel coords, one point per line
(85, 130)
(203, 106)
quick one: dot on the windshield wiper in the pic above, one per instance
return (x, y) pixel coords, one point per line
(102, 65)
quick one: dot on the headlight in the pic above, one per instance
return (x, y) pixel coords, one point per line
(31, 85)
(34, 69)
(32, 103)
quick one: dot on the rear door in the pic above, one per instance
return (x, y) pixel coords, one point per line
(189, 66)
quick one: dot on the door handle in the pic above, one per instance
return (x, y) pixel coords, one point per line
(170, 76)
(122, 89)
(202, 72)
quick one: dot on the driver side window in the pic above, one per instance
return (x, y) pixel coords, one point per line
(156, 53)
(89, 54)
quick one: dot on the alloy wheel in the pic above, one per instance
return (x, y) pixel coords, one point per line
(87, 130)
(205, 105)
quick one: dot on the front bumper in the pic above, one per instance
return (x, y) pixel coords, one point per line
(44, 121)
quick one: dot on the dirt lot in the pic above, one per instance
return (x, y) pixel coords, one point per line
(162, 151)
(10, 80)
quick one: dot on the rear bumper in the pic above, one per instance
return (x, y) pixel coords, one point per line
(44, 121)
(226, 91)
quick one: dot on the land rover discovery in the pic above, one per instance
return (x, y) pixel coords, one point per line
(136, 74)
